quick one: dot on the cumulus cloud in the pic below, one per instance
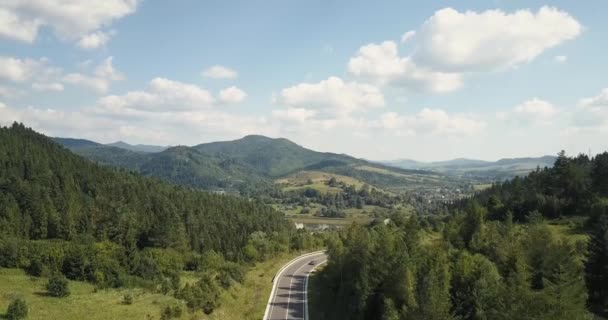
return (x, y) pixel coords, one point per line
(381, 63)
(430, 121)
(220, 72)
(21, 70)
(232, 95)
(94, 40)
(531, 112)
(293, 115)
(101, 79)
(163, 95)
(21, 20)
(407, 36)
(491, 40)
(332, 97)
(592, 112)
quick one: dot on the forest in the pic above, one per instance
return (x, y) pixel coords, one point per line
(496, 255)
(62, 215)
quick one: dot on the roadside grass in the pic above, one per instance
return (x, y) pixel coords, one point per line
(247, 301)
(82, 303)
(240, 302)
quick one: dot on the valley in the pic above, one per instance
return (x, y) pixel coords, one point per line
(311, 188)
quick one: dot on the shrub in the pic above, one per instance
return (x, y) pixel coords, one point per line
(127, 298)
(17, 309)
(171, 312)
(58, 286)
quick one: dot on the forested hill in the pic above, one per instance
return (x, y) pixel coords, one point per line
(247, 166)
(274, 157)
(571, 187)
(47, 192)
(529, 248)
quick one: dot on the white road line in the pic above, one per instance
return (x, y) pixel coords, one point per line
(306, 289)
(269, 305)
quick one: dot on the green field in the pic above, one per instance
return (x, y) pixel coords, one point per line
(83, 302)
(240, 302)
(316, 180)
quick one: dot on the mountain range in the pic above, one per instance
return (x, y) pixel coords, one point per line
(248, 165)
(503, 168)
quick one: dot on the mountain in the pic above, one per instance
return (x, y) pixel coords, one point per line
(138, 147)
(274, 157)
(503, 168)
(51, 193)
(248, 165)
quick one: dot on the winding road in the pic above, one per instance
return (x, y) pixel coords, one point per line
(288, 299)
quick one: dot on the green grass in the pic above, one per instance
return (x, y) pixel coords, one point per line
(571, 228)
(83, 302)
(247, 301)
(240, 302)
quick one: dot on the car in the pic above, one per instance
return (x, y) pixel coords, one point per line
(312, 263)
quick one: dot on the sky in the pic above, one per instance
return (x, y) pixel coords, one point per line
(425, 80)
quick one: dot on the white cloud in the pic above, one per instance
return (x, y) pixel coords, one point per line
(19, 70)
(560, 59)
(430, 121)
(103, 76)
(381, 63)
(407, 36)
(332, 97)
(531, 112)
(232, 95)
(601, 100)
(220, 72)
(163, 95)
(49, 86)
(491, 40)
(592, 112)
(95, 40)
(70, 20)
(12, 26)
(297, 115)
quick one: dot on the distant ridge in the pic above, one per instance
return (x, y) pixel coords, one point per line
(502, 168)
(138, 147)
(247, 165)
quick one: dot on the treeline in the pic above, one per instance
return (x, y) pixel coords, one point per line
(570, 187)
(62, 213)
(495, 257)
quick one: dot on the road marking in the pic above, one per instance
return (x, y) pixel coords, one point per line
(273, 293)
(290, 290)
(306, 289)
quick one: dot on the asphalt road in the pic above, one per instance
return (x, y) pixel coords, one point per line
(288, 298)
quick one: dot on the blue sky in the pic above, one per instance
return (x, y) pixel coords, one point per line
(478, 79)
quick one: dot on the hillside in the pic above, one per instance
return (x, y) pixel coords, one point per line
(51, 193)
(63, 216)
(533, 247)
(247, 166)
